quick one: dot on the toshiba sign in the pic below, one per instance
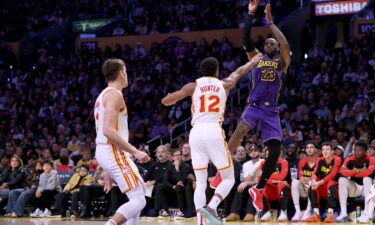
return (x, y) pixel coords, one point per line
(339, 7)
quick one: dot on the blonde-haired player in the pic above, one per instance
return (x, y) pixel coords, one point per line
(112, 146)
(207, 140)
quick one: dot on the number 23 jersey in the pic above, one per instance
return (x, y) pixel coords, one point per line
(266, 81)
(208, 101)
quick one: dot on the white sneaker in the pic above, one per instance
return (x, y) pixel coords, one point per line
(364, 219)
(36, 213)
(283, 217)
(14, 215)
(8, 215)
(305, 216)
(297, 217)
(179, 215)
(46, 213)
(342, 218)
(266, 217)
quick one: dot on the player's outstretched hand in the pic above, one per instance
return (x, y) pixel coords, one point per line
(267, 12)
(253, 5)
(141, 157)
(107, 182)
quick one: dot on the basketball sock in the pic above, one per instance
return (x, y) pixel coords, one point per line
(296, 195)
(214, 203)
(343, 195)
(200, 189)
(223, 189)
(270, 163)
(316, 210)
(136, 203)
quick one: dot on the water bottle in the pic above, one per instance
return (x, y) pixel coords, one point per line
(358, 211)
(294, 173)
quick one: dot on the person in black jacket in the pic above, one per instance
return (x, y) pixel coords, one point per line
(20, 196)
(154, 175)
(15, 180)
(178, 179)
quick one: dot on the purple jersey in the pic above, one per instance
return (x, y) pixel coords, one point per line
(266, 81)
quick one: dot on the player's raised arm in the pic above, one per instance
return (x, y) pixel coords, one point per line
(248, 45)
(284, 46)
(114, 102)
(233, 78)
(185, 91)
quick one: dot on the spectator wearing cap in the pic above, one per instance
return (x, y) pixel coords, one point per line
(339, 151)
(72, 189)
(250, 174)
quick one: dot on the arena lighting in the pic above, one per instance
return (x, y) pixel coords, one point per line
(305, 56)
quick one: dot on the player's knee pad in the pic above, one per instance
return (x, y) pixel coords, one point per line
(274, 149)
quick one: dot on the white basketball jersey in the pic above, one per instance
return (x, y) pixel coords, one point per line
(122, 122)
(208, 101)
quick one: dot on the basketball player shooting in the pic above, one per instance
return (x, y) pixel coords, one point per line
(207, 141)
(112, 146)
(262, 104)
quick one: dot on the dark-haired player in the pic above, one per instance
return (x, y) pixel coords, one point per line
(355, 180)
(207, 140)
(323, 183)
(301, 186)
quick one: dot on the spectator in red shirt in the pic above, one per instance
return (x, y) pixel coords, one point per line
(64, 164)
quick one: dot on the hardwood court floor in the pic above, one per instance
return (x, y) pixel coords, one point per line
(101, 221)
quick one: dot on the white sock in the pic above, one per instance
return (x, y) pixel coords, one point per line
(296, 195)
(330, 210)
(343, 195)
(316, 210)
(214, 203)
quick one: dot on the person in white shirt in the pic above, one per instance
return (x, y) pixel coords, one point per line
(249, 170)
